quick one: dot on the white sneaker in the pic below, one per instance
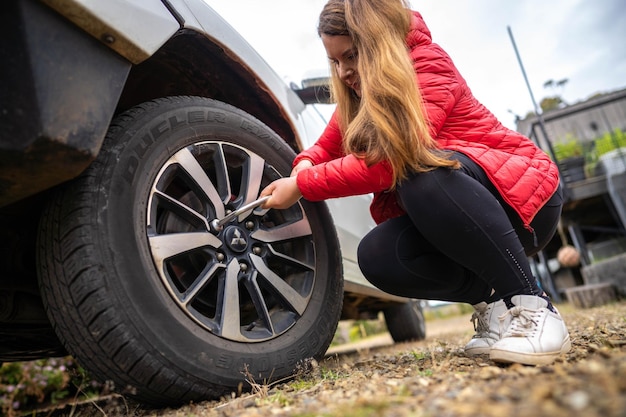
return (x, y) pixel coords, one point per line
(535, 336)
(487, 326)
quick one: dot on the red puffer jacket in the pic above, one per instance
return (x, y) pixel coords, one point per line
(523, 173)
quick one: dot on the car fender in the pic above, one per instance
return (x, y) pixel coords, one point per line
(113, 22)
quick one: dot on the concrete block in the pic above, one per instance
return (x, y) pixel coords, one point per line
(591, 295)
(611, 270)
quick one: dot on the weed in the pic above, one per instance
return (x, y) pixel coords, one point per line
(26, 385)
(330, 374)
(419, 356)
(261, 390)
(278, 398)
(302, 384)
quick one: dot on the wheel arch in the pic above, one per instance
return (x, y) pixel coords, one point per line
(191, 63)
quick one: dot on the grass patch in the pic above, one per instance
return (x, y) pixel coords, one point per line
(447, 311)
(25, 386)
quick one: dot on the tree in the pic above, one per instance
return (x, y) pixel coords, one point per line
(551, 103)
(555, 101)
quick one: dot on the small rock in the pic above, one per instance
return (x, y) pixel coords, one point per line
(577, 400)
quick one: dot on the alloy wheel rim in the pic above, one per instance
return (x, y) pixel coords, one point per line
(252, 280)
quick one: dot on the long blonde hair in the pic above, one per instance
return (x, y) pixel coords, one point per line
(387, 122)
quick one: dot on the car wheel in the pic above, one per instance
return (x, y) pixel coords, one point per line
(406, 322)
(146, 294)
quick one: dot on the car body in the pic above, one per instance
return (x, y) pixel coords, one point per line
(127, 129)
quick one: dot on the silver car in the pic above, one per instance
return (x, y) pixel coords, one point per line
(128, 130)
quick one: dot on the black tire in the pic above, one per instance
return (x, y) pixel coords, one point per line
(405, 322)
(145, 295)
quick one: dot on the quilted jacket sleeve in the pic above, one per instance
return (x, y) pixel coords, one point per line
(335, 174)
(343, 177)
(327, 147)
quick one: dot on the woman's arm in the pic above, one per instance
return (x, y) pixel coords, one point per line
(344, 177)
(340, 177)
(327, 147)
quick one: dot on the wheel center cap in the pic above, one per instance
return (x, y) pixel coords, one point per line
(236, 239)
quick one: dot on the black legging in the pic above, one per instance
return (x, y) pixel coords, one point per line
(459, 241)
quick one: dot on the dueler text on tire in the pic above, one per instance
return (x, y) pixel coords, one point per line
(145, 293)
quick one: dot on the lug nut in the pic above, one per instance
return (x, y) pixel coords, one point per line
(220, 256)
(243, 267)
(249, 225)
(256, 250)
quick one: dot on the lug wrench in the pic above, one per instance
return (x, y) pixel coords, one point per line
(218, 225)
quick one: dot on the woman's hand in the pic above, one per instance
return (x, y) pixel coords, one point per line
(284, 193)
(304, 164)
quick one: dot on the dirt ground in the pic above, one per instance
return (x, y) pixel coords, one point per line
(435, 378)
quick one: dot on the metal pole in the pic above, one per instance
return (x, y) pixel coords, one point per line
(542, 257)
(532, 96)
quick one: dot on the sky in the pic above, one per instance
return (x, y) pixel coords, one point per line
(581, 41)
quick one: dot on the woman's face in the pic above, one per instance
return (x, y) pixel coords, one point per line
(344, 57)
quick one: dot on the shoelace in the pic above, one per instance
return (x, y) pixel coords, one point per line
(523, 322)
(479, 320)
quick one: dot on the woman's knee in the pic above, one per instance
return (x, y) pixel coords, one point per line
(545, 224)
(377, 250)
(368, 257)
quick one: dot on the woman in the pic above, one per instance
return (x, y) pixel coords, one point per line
(460, 200)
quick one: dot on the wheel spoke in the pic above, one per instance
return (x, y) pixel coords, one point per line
(166, 246)
(251, 181)
(282, 289)
(294, 230)
(221, 170)
(181, 209)
(187, 162)
(199, 284)
(290, 259)
(259, 302)
(229, 304)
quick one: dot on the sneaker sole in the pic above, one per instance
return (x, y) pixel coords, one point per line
(478, 351)
(544, 358)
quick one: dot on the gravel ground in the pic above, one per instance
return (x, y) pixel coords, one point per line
(434, 378)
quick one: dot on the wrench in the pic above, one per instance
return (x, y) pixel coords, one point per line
(219, 224)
